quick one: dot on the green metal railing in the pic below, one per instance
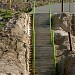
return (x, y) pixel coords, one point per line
(52, 38)
(33, 40)
(54, 53)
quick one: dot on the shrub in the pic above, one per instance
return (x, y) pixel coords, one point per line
(1, 24)
(6, 17)
(2, 11)
(7, 12)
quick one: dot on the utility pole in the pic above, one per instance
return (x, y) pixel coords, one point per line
(9, 4)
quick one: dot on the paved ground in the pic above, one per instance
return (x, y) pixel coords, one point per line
(55, 8)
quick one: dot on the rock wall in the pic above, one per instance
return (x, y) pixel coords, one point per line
(62, 24)
(15, 46)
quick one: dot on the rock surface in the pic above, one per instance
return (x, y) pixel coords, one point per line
(64, 21)
(14, 46)
(62, 24)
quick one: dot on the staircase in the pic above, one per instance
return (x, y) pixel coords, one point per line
(44, 50)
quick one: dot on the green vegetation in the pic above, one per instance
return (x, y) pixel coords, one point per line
(5, 15)
(1, 24)
(2, 11)
(6, 12)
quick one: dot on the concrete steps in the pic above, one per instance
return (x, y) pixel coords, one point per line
(41, 19)
(43, 30)
(44, 50)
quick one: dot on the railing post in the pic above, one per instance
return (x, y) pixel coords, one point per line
(69, 33)
(70, 41)
(62, 5)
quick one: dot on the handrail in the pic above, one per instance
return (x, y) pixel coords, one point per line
(33, 39)
(54, 54)
(52, 39)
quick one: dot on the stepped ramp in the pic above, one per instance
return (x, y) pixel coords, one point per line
(44, 50)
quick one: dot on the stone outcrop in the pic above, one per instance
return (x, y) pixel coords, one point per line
(15, 46)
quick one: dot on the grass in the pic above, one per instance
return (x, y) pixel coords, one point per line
(1, 24)
(6, 15)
